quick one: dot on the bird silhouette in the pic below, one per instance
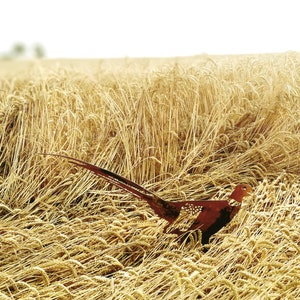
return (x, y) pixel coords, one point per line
(209, 215)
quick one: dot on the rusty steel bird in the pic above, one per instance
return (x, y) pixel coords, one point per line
(210, 215)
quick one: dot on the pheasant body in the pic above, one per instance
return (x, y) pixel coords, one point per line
(210, 215)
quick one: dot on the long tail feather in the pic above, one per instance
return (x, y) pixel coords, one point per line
(156, 203)
(109, 176)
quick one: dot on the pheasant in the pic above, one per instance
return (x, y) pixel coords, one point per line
(210, 215)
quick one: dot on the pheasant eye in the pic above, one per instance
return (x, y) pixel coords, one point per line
(244, 188)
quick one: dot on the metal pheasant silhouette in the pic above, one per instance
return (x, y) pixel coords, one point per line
(210, 215)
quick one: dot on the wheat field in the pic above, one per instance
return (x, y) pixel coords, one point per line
(184, 128)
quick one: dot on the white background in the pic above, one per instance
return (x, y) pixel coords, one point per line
(137, 28)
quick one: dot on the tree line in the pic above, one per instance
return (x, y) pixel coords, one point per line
(19, 50)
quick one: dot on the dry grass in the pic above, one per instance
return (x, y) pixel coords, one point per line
(185, 128)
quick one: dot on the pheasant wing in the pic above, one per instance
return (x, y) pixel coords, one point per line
(209, 216)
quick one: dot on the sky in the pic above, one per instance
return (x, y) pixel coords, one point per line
(150, 28)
